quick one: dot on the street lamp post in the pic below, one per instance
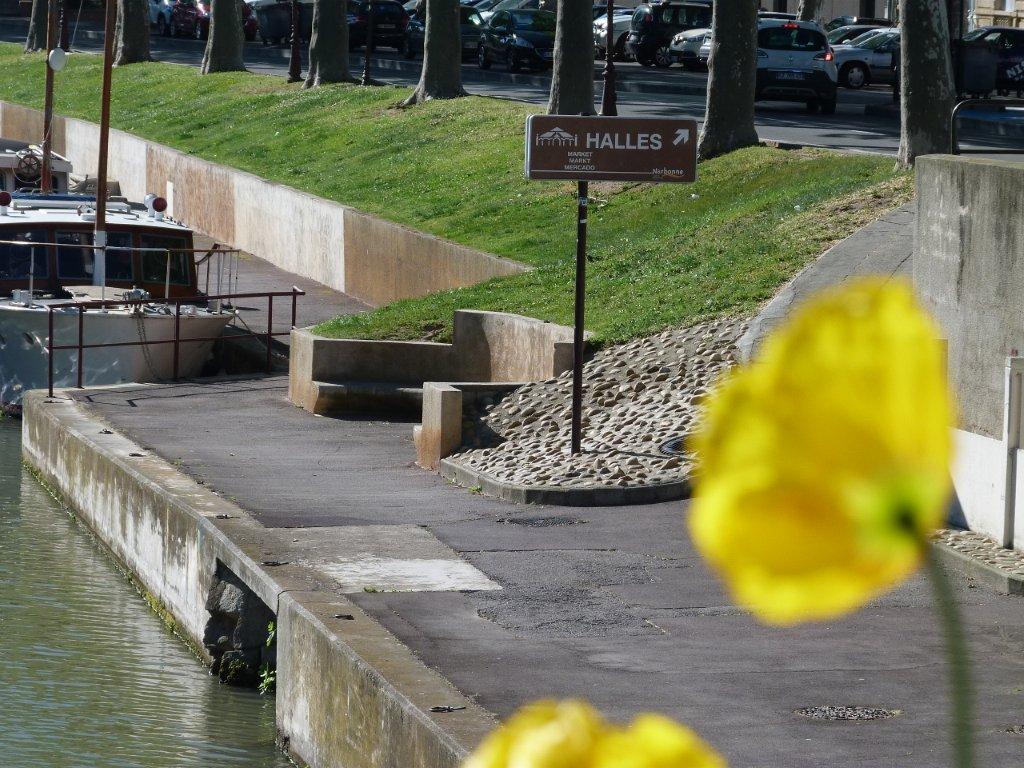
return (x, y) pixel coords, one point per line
(608, 93)
(367, 45)
(295, 60)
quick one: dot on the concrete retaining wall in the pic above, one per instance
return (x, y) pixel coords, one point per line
(369, 258)
(969, 272)
(349, 695)
(486, 346)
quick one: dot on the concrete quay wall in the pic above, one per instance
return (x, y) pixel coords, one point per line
(349, 695)
(369, 258)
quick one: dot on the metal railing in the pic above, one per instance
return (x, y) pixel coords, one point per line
(83, 306)
(954, 142)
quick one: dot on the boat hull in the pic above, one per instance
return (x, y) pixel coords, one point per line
(24, 357)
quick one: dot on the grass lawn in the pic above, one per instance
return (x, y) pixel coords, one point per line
(660, 255)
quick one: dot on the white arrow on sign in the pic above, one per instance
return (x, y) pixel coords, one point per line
(682, 136)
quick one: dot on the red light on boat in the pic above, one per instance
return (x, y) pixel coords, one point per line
(159, 205)
(5, 199)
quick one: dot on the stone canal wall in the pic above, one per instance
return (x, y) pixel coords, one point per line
(349, 695)
(369, 258)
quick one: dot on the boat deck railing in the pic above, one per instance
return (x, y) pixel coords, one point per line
(93, 304)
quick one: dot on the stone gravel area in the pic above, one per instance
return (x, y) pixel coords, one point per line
(981, 547)
(638, 397)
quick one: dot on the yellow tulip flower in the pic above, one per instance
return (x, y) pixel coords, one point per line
(571, 734)
(824, 464)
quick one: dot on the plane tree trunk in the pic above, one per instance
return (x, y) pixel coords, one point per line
(441, 76)
(36, 39)
(572, 82)
(808, 10)
(328, 45)
(131, 36)
(926, 80)
(224, 45)
(732, 75)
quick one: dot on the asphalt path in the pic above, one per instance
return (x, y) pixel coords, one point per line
(643, 91)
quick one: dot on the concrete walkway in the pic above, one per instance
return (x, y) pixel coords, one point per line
(884, 247)
(611, 604)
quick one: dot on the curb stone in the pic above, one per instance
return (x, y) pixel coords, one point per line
(564, 497)
(991, 576)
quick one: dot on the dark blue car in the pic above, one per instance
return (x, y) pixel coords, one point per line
(469, 22)
(518, 39)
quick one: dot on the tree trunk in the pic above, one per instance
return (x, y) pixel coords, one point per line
(224, 46)
(926, 80)
(808, 10)
(328, 45)
(572, 82)
(441, 76)
(732, 76)
(36, 39)
(131, 38)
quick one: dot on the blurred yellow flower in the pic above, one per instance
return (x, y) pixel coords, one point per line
(571, 734)
(824, 464)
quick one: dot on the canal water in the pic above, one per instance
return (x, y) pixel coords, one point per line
(89, 675)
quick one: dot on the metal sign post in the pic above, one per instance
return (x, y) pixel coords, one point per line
(592, 148)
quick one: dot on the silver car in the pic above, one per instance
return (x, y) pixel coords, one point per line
(620, 28)
(686, 47)
(868, 60)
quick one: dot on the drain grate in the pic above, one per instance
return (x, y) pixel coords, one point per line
(541, 522)
(675, 446)
(834, 712)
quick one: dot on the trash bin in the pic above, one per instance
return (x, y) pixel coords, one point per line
(974, 65)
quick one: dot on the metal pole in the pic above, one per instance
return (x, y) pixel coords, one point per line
(81, 342)
(100, 237)
(49, 349)
(577, 335)
(65, 42)
(295, 299)
(295, 60)
(608, 108)
(46, 182)
(270, 328)
(367, 45)
(177, 336)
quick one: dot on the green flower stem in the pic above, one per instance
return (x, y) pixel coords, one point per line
(956, 655)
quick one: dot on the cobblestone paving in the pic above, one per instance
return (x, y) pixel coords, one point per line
(637, 397)
(983, 548)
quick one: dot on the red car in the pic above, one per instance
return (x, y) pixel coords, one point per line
(191, 18)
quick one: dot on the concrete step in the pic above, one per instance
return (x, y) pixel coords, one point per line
(368, 396)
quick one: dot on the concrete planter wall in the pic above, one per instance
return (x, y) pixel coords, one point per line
(486, 346)
(369, 258)
(969, 271)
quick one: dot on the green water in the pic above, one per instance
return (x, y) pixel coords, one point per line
(89, 676)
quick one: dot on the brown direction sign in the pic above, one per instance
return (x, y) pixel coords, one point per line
(592, 148)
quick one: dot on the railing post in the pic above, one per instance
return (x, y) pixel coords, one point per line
(81, 350)
(295, 299)
(270, 328)
(50, 349)
(177, 335)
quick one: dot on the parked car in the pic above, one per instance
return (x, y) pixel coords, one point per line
(620, 28)
(519, 5)
(795, 63)
(776, 15)
(686, 47)
(191, 18)
(416, 31)
(601, 10)
(390, 21)
(518, 39)
(160, 16)
(1009, 46)
(843, 21)
(867, 61)
(849, 33)
(655, 24)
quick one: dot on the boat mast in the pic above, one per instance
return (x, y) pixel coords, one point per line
(100, 234)
(46, 182)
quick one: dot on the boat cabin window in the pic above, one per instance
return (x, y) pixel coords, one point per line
(154, 265)
(15, 259)
(75, 256)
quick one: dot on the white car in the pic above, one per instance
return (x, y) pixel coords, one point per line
(686, 47)
(620, 28)
(160, 15)
(795, 63)
(868, 60)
